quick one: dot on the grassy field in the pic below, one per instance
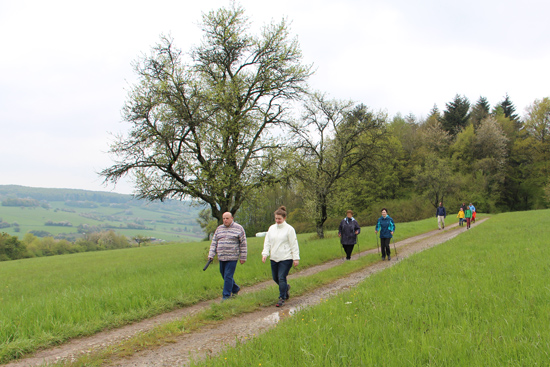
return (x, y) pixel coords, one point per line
(48, 300)
(481, 299)
(158, 222)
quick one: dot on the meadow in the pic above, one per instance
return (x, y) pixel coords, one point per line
(48, 300)
(480, 299)
(157, 222)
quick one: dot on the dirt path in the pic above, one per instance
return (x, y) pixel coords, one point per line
(212, 339)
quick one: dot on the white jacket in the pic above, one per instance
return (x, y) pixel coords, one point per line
(281, 243)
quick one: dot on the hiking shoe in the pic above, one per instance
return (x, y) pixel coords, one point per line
(235, 294)
(288, 292)
(383, 258)
(389, 258)
(280, 303)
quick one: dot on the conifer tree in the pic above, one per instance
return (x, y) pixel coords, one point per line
(456, 116)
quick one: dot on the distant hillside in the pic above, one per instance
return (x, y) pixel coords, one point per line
(67, 213)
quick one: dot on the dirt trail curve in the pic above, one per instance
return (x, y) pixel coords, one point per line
(211, 340)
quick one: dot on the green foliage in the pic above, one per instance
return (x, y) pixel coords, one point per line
(335, 139)
(434, 179)
(208, 223)
(480, 111)
(25, 202)
(508, 109)
(203, 129)
(456, 116)
(11, 248)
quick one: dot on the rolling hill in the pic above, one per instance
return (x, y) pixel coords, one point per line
(67, 213)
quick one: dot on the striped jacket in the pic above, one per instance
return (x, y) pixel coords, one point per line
(229, 243)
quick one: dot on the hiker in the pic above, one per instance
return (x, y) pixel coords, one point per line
(473, 209)
(441, 214)
(281, 245)
(460, 217)
(229, 243)
(386, 226)
(468, 215)
(348, 231)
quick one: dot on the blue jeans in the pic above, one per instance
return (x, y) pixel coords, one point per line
(227, 270)
(279, 271)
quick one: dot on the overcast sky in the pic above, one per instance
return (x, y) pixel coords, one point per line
(66, 65)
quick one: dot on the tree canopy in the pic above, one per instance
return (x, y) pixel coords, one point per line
(204, 128)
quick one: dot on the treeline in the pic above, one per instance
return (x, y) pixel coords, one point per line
(11, 248)
(48, 194)
(478, 153)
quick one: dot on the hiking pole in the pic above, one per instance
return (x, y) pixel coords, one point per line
(207, 264)
(377, 243)
(394, 249)
(358, 249)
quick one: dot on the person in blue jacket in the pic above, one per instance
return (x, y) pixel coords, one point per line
(386, 226)
(348, 231)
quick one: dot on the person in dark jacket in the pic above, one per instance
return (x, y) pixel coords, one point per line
(348, 231)
(441, 214)
(386, 226)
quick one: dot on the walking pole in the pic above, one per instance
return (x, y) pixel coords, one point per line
(358, 249)
(377, 243)
(394, 249)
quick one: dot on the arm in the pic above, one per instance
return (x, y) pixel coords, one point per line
(243, 248)
(267, 247)
(213, 246)
(357, 228)
(294, 249)
(392, 227)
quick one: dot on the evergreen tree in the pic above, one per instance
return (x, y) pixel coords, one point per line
(509, 109)
(456, 116)
(480, 111)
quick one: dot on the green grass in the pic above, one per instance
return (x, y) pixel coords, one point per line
(161, 223)
(46, 301)
(481, 299)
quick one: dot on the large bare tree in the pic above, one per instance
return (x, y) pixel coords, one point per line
(201, 122)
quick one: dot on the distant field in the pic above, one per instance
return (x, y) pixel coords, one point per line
(173, 221)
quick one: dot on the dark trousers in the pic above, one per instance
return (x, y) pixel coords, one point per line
(279, 271)
(227, 270)
(468, 222)
(349, 250)
(385, 246)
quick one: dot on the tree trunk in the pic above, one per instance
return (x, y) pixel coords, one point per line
(322, 212)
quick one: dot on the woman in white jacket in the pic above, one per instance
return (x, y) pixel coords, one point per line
(281, 245)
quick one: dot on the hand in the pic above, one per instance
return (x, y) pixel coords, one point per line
(375, 232)
(263, 258)
(243, 261)
(210, 258)
(296, 262)
(356, 232)
(391, 233)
